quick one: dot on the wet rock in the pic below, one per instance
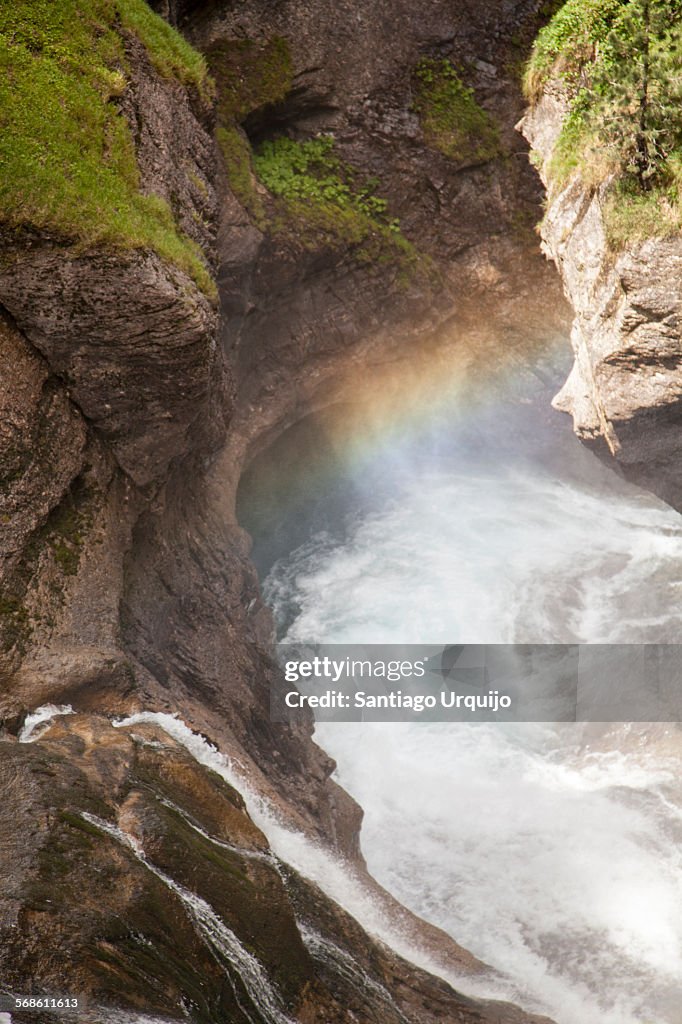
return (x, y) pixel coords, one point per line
(136, 880)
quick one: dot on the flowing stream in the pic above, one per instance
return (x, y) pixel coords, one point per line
(553, 853)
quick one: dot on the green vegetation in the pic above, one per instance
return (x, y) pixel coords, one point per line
(238, 156)
(575, 36)
(620, 64)
(58, 543)
(318, 199)
(326, 198)
(67, 157)
(169, 52)
(68, 526)
(451, 119)
(15, 625)
(249, 76)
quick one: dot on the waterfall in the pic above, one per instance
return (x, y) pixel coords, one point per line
(556, 864)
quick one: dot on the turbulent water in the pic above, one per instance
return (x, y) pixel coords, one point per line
(557, 864)
(453, 545)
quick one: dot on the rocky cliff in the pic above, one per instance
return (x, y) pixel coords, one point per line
(625, 387)
(164, 315)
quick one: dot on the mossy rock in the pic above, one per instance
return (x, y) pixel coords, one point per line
(319, 201)
(15, 623)
(53, 552)
(67, 156)
(249, 75)
(451, 119)
(324, 201)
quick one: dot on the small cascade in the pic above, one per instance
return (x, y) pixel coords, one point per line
(39, 721)
(218, 937)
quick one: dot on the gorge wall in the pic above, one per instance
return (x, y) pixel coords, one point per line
(140, 373)
(624, 390)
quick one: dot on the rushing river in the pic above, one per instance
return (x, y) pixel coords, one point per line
(557, 862)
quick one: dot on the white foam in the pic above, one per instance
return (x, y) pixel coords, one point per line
(562, 874)
(563, 877)
(39, 721)
(507, 557)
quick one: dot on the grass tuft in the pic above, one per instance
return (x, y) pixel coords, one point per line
(67, 157)
(169, 52)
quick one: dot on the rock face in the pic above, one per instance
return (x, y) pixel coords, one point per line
(625, 389)
(132, 337)
(296, 315)
(145, 886)
(114, 317)
(130, 404)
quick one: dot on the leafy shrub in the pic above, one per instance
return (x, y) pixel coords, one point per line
(310, 170)
(621, 68)
(571, 39)
(319, 190)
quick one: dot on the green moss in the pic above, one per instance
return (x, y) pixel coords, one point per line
(67, 526)
(249, 76)
(229, 864)
(67, 157)
(240, 175)
(145, 965)
(325, 199)
(80, 824)
(169, 52)
(199, 184)
(15, 625)
(451, 119)
(130, 955)
(58, 542)
(67, 558)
